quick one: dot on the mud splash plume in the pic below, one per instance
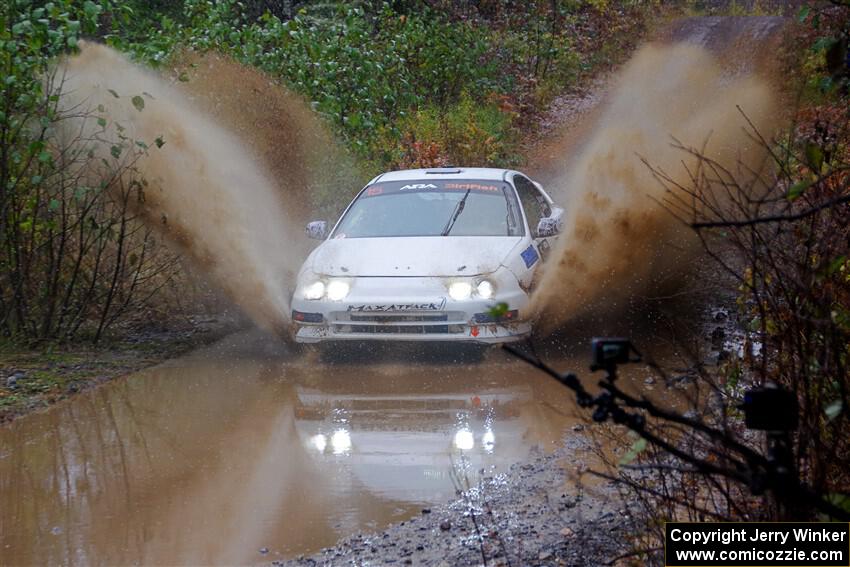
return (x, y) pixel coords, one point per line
(206, 190)
(618, 242)
(278, 127)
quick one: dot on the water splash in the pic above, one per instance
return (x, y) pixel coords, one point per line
(208, 191)
(618, 241)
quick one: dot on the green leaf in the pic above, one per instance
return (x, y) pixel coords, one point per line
(138, 102)
(80, 192)
(637, 448)
(183, 77)
(814, 156)
(91, 9)
(836, 264)
(159, 142)
(101, 122)
(53, 205)
(498, 311)
(840, 500)
(833, 410)
(115, 151)
(824, 43)
(44, 156)
(798, 188)
(803, 13)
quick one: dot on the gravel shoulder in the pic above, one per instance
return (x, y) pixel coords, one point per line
(533, 514)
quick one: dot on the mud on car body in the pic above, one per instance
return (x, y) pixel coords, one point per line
(425, 255)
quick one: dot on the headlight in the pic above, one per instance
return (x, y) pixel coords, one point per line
(464, 439)
(460, 290)
(314, 291)
(337, 290)
(485, 289)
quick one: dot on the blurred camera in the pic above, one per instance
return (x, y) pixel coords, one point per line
(770, 409)
(608, 352)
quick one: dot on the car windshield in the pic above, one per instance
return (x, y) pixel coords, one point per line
(432, 207)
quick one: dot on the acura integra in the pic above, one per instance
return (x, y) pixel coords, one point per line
(444, 254)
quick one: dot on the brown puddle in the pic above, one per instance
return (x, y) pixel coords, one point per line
(215, 456)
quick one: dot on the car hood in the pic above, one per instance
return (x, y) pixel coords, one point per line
(412, 256)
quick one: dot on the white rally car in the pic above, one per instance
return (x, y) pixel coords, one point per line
(426, 255)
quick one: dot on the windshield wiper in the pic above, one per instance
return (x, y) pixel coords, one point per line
(455, 214)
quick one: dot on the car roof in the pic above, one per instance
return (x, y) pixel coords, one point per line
(480, 173)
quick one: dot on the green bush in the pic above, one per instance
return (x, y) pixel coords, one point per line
(369, 67)
(72, 255)
(466, 133)
(360, 70)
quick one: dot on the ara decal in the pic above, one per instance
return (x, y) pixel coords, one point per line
(419, 186)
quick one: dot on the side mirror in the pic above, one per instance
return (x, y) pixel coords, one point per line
(317, 230)
(551, 225)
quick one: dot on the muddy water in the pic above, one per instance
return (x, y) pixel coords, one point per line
(211, 458)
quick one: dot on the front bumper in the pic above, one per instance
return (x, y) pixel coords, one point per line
(408, 309)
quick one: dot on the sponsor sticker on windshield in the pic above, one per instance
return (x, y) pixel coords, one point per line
(472, 187)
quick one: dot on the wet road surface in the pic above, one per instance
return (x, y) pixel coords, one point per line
(213, 457)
